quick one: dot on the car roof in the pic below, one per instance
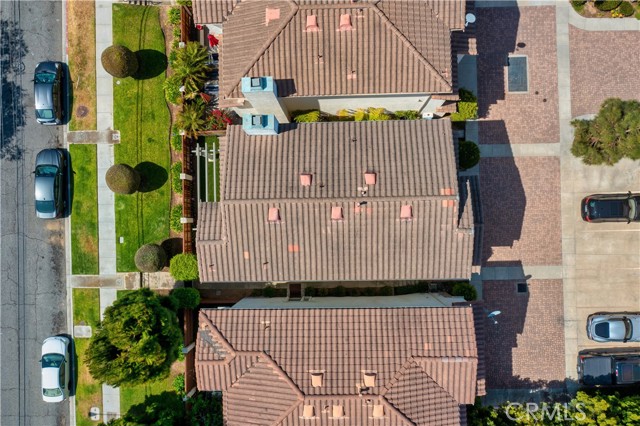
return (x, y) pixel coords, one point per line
(50, 378)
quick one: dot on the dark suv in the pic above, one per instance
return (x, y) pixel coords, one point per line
(608, 367)
(611, 208)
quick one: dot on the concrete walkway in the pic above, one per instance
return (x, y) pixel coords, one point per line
(106, 213)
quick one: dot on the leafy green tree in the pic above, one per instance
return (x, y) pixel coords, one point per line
(165, 409)
(206, 410)
(137, 341)
(186, 297)
(614, 133)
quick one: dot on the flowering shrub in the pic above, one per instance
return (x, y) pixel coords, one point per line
(219, 119)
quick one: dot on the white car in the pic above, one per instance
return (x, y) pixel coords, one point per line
(55, 369)
(614, 327)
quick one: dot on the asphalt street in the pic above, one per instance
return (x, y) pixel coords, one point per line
(32, 287)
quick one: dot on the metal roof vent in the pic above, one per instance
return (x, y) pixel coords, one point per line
(378, 411)
(336, 214)
(308, 412)
(274, 215)
(305, 179)
(370, 178)
(316, 379)
(312, 24)
(369, 379)
(338, 411)
(345, 23)
(406, 212)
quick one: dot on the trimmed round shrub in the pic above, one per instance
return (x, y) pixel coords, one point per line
(465, 290)
(119, 61)
(187, 297)
(184, 267)
(607, 5)
(174, 218)
(150, 258)
(469, 154)
(122, 179)
(625, 8)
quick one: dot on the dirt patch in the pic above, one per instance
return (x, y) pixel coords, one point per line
(81, 48)
(89, 244)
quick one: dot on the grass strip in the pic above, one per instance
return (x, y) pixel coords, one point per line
(84, 219)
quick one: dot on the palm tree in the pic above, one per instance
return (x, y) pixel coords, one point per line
(191, 66)
(191, 119)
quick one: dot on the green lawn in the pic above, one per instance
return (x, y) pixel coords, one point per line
(132, 395)
(86, 309)
(142, 116)
(84, 219)
(210, 141)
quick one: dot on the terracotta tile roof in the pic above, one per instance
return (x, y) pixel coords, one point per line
(395, 46)
(423, 359)
(414, 165)
(413, 158)
(212, 11)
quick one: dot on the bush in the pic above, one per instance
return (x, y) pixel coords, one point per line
(340, 291)
(361, 115)
(184, 267)
(171, 88)
(178, 385)
(466, 111)
(323, 292)
(122, 179)
(176, 142)
(187, 297)
(578, 5)
(150, 258)
(310, 291)
(625, 9)
(468, 154)
(378, 114)
(407, 115)
(176, 182)
(119, 61)
(309, 116)
(174, 15)
(465, 290)
(607, 5)
(174, 219)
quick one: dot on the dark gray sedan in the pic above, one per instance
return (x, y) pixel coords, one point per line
(614, 327)
(50, 183)
(48, 86)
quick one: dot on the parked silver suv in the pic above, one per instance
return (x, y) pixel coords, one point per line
(614, 327)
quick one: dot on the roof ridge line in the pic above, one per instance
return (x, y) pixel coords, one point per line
(294, 10)
(410, 45)
(367, 198)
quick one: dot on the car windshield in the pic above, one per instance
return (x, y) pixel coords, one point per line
(45, 77)
(45, 206)
(628, 327)
(46, 171)
(45, 114)
(52, 360)
(52, 392)
(632, 208)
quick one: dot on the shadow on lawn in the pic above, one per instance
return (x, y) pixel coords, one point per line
(152, 176)
(151, 64)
